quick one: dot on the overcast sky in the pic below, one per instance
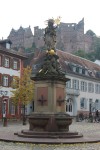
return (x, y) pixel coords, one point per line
(16, 13)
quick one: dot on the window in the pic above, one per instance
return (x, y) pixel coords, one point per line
(8, 45)
(5, 80)
(74, 69)
(97, 88)
(6, 62)
(15, 64)
(69, 105)
(83, 86)
(91, 105)
(90, 87)
(12, 109)
(86, 72)
(80, 70)
(83, 103)
(77, 69)
(68, 84)
(75, 84)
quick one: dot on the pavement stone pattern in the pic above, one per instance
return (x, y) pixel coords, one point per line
(87, 129)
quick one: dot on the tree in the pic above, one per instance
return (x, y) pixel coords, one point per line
(90, 33)
(83, 54)
(80, 53)
(97, 48)
(23, 90)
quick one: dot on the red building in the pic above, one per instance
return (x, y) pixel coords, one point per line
(11, 64)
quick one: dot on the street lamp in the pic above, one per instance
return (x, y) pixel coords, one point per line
(4, 113)
(92, 107)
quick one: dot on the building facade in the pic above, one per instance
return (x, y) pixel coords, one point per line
(11, 64)
(83, 89)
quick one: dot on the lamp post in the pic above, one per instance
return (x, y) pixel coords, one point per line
(4, 114)
(92, 107)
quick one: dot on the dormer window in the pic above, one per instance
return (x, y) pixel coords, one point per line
(86, 72)
(80, 70)
(8, 45)
(83, 71)
(77, 69)
(74, 68)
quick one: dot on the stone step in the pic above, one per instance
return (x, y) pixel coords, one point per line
(47, 135)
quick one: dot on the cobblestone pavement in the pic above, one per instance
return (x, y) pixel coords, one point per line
(88, 129)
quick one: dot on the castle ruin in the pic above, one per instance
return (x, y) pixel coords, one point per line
(70, 37)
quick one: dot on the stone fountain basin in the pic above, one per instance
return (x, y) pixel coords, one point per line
(40, 121)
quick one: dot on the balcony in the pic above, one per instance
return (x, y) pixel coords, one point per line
(71, 91)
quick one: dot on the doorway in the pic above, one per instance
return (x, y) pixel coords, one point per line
(69, 106)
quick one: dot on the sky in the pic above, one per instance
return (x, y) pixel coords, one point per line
(16, 13)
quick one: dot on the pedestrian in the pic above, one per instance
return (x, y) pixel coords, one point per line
(96, 115)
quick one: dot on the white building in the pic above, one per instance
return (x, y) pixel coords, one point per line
(83, 89)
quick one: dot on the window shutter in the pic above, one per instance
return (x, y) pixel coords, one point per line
(0, 105)
(10, 79)
(0, 60)
(3, 61)
(73, 83)
(11, 63)
(0, 79)
(80, 102)
(18, 65)
(99, 104)
(16, 109)
(10, 103)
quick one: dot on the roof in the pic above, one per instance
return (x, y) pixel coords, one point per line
(12, 52)
(68, 61)
(5, 41)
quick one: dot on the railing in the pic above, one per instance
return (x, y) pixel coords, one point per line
(71, 91)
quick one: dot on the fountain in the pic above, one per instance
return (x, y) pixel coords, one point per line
(49, 119)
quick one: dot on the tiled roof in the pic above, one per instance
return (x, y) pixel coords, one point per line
(11, 52)
(64, 56)
(6, 40)
(66, 60)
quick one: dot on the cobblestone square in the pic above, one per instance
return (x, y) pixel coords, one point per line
(87, 129)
